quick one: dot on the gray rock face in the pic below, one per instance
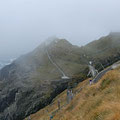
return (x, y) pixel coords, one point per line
(31, 82)
(20, 96)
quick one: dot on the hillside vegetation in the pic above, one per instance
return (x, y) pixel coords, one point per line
(100, 101)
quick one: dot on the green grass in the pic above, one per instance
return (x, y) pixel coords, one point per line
(105, 83)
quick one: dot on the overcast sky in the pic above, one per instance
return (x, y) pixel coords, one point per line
(25, 23)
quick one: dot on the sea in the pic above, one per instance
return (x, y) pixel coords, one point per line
(5, 62)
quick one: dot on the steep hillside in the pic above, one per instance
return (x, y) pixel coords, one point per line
(105, 48)
(99, 101)
(31, 82)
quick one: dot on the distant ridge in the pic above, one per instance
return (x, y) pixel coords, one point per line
(115, 33)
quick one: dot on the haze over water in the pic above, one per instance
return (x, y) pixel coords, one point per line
(24, 24)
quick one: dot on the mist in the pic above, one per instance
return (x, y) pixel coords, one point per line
(24, 24)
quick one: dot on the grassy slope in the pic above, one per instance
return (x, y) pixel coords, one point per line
(104, 47)
(100, 101)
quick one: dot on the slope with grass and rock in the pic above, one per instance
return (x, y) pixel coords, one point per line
(31, 82)
(99, 101)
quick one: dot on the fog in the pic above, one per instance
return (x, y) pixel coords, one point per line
(24, 24)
